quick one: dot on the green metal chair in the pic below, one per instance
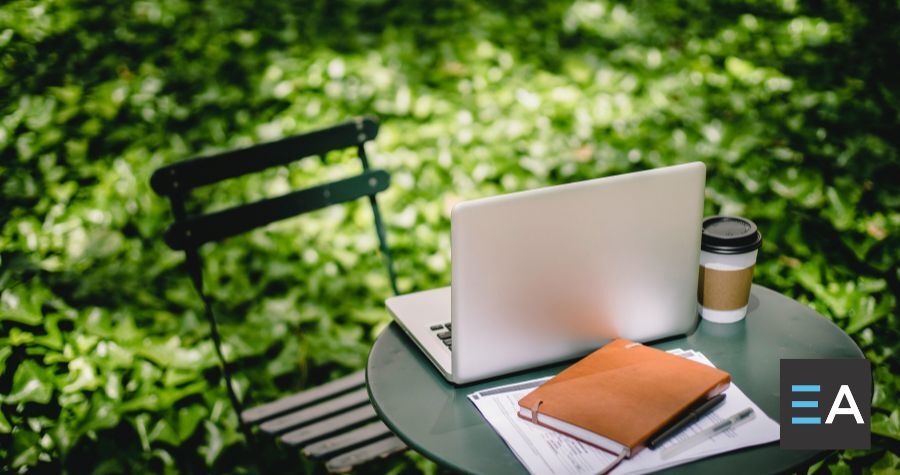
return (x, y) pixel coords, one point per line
(334, 421)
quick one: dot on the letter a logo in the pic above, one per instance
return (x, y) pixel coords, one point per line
(844, 393)
(826, 404)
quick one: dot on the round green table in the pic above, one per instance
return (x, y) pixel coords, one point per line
(435, 418)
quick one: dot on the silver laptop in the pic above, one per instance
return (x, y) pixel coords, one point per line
(547, 275)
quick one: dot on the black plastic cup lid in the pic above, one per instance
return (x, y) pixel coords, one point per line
(729, 235)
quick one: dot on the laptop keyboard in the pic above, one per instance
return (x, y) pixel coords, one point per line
(442, 331)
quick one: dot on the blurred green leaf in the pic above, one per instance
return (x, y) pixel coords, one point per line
(188, 420)
(214, 443)
(170, 353)
(889, 464)
(288, 359)
(842, 205)
(867, 311)
(161, 399)
(103, 414)
(887, 388)
(5, 427)
(26, 448)
(31, 383)
(164, 432)
(18, 306)
(5, 352)
(887, 425)
(840, 468)
(82, 376)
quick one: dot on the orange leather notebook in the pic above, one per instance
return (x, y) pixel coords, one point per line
(619, 396)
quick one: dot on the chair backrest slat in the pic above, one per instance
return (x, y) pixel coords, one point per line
(189, 232)
(197, 230)
(184, 176)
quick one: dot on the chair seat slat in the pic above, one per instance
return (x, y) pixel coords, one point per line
(314, 413)
(342, 421)
(304, 398)
(382, 448)
(339, 443)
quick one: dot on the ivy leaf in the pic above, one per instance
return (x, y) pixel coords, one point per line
(163, 432)
(840, 468)
(214, 443)
(287, 360)
(5, 427)
(20, 308)
(889, 464)
(140, 426)
(842, 206)
(159, 399)
(188, 420)
(887, 388)
(103, 415)
(5, 352)
(865, 312)
(171, 354)
(82, 376)
(26, 446)
(168, 462)
(31, 383)
(888, 426)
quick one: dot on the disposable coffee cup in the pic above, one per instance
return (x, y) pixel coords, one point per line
(728, 249)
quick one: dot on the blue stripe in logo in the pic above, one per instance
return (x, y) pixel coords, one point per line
(806, 420)
(804, 403)
(805, 388)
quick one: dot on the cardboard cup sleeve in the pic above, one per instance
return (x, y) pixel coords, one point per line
(724, 289)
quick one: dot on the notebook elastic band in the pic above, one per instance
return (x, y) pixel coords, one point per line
(621, 456)
(534, 411)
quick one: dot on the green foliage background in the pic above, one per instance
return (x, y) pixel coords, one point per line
(105, 363)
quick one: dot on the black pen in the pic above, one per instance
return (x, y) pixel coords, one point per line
(685, 421)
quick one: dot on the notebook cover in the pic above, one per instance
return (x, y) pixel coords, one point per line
(626, 392)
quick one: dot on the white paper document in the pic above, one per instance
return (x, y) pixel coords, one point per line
(545, 451)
